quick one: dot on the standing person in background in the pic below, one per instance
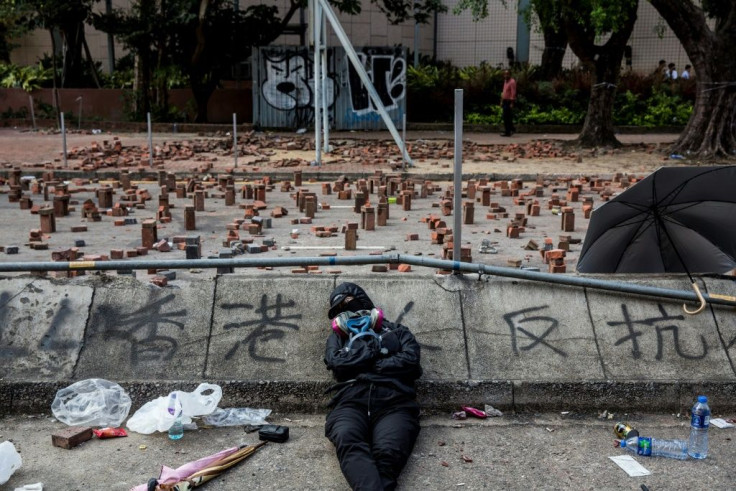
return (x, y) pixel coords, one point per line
(671, 72)
(686, 72)
(508, 98)
(660, 73)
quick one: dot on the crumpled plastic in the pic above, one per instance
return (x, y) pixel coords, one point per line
(92, 402)
(31, 487)
(156, 415)
(237, 416)
(10, 461)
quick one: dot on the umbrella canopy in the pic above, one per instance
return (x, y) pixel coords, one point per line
(676, 220)
(196, 473)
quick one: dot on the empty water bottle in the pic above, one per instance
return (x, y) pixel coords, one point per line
(697, 447)
(176, 431)
(656, 447)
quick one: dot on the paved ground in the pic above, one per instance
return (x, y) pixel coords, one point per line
(536, 451)
(535, 159)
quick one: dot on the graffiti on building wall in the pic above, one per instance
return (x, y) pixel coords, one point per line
(386, 69)
(288, 81)
(284, 78)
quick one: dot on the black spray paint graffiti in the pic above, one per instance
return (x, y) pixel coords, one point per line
(406, 310)
(52, 340)
(270, 326)
(387, 72)
(662, 324)
(545, 325)
(140, 329)
(288, 83)
(7, 349)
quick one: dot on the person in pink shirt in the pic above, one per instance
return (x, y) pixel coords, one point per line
(508, 98)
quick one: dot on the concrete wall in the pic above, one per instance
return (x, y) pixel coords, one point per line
(114, 104)
(510, 343)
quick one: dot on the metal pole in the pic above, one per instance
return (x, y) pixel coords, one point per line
(150, 140)
(33, 113)
(325, 114)
(79, 121)
(403, 140)
(235, 139)
(360, 70)
(477, 268)
(458, 176)
(63, 137)
(317, 80)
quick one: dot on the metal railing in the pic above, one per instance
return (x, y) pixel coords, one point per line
(393, 258)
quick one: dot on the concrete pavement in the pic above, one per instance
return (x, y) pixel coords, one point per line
(524, 451)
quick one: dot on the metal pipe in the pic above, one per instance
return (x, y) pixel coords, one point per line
(476, 268)
(458, 176)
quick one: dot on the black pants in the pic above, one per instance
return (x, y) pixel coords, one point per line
(373, 449)
(508, 117)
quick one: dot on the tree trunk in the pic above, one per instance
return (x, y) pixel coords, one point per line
(605, 61)
(555, 45)
(711, 131)
(598, 126)
(202, 94)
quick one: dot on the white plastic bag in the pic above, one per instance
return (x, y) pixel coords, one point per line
(236, 416)
(156, 415)
(31, 487)
(10, 461)
(92, 402)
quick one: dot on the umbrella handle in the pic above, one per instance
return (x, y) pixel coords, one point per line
(701, 307)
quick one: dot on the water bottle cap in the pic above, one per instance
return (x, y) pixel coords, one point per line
(702, 399)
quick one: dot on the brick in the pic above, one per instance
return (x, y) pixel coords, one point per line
(160, 281)
(69, 438)
(379, 268)
(404, 268)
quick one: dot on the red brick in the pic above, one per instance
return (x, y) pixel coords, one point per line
(70, 437)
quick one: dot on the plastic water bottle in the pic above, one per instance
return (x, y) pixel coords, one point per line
(697, 447)
(656, 447)
(176, 431)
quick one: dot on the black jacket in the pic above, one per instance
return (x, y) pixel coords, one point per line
(397, 367)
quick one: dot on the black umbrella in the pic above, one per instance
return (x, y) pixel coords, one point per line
(676, 220)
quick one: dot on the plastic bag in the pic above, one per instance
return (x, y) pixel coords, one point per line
(236, 416)
(31, 487)
(10, 461)
(157, 415)
(92, 402)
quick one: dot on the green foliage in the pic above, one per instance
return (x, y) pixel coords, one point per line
(28, 78)
(662, 109)
(640, 100)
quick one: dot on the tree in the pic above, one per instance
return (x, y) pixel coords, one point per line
(14, 22)
(586, 21)
(549, 19)
(68, 17)
(206, 37)
(711, 130)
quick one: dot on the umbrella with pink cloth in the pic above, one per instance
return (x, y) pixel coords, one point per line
(198, 472)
